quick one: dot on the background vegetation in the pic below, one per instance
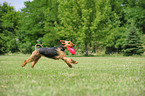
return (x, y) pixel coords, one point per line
(93, 25)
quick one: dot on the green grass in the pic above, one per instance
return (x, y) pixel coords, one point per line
(93, 76)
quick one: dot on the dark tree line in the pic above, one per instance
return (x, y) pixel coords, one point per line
(93, 25)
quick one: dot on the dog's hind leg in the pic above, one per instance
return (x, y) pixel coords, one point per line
(35, 61)
(33, 57)
(30, 59)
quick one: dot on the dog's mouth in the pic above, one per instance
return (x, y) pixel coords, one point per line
(71, 50)
(72, 45)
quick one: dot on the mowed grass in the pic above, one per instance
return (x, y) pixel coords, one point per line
(93, 76)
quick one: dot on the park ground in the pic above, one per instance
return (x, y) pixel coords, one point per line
(93, 76)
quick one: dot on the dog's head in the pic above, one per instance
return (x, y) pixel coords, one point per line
(67, 43)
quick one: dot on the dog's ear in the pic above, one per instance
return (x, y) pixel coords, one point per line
(62, 41)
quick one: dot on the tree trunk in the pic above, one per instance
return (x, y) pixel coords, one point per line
(86, 49)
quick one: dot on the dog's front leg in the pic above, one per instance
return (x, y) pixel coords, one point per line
(73, 61)
(69, 61)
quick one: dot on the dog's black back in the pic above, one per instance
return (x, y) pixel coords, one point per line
(50, 52)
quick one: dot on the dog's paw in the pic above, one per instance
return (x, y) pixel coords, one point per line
(75, 62)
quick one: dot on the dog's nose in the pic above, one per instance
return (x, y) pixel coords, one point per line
(73, 45)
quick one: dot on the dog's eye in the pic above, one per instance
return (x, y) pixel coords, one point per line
(68, 42)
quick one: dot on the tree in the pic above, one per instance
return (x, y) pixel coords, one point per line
(85, 21)
(115, 40)
(9, 21)
(135, 9)
(133, 44)
(52, 35)
(33, 21)
(90, 24)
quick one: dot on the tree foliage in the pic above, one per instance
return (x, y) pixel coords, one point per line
(133, 44)
(90, 24)
(9, 21)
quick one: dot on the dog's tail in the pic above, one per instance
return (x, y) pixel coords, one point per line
(37, 45)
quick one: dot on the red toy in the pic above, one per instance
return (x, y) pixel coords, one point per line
(71, 50)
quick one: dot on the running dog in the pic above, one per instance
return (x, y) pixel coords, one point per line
(53, 52)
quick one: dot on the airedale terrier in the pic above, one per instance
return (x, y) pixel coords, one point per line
(53, 52)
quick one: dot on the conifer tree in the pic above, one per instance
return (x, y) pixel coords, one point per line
(133, 44)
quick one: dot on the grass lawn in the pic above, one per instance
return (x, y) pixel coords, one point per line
(93, 76)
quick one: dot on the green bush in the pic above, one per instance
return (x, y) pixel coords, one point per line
(12, 46)
(25, 47)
